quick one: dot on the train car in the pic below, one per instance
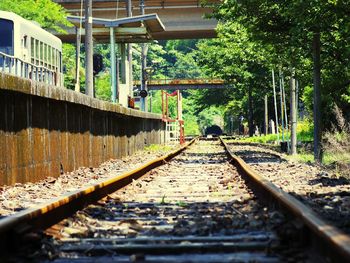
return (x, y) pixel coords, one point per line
(29, 51)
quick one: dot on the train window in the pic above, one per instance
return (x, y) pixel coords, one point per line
(50, 55)
(41, 51)
(6, 39)
(25, 41)
(60, 62)
(57, 59)
(54, 57)
(32, 47)
(36, 49)
(45, 52)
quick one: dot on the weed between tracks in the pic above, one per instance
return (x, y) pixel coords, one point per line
(158, 147)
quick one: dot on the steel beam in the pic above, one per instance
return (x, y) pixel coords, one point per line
(187, 86)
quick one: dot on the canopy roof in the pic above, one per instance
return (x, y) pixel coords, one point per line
(127, 29)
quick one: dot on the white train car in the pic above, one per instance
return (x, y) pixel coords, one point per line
(29, 51)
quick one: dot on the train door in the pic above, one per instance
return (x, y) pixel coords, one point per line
(25, 56)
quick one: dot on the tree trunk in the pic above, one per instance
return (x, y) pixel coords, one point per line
(316, 48)
(266, 117)
(129, 14)
(250, 109)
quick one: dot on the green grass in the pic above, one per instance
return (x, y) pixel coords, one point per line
(330, 158)
(157, 148)
(260, 139)
(304, 134)
(303, 157)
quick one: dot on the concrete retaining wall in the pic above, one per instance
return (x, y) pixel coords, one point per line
(46, 130)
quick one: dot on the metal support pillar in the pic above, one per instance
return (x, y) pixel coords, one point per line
(143, 63)
(275, 103)
(179, 105)
(77, 60)
(282, 105)
(129, 14)
(150, 102)
(113, 66)
(89, 82)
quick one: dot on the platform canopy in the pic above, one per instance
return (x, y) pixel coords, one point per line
(127, 29)
(182, 19)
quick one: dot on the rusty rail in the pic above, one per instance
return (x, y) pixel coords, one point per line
(331, 241)
(47, 214)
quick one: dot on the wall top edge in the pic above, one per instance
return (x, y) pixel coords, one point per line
(17, 84)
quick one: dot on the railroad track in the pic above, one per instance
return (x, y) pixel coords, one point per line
(197, 207)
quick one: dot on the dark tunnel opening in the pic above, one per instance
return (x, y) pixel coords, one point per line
(214, 130)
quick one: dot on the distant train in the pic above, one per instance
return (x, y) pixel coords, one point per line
(29, 51)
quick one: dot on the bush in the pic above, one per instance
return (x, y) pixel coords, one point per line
(336, 143)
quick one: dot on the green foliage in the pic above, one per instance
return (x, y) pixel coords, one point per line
(305, 130)
(68, 60)
(189, 116)
(242, 63)
(103, 86)
(210, 116)
(191, 125)
(307, 98)
(285, 30)
(191, 122)
(47, 13)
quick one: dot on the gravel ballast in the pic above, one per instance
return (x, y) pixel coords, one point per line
(324, 191)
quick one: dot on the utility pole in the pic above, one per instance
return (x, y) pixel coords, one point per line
(89, 82)
(266, 122)
(129, 50)
(316, 48)
(275, 103)
(293, 115)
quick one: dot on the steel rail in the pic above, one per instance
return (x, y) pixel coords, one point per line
(332, 241)
(49, 213)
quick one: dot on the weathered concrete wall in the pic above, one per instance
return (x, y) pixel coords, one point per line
(45, 130)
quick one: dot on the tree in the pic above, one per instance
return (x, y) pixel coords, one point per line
(297, 30)
(47, 13)
(234, 57)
